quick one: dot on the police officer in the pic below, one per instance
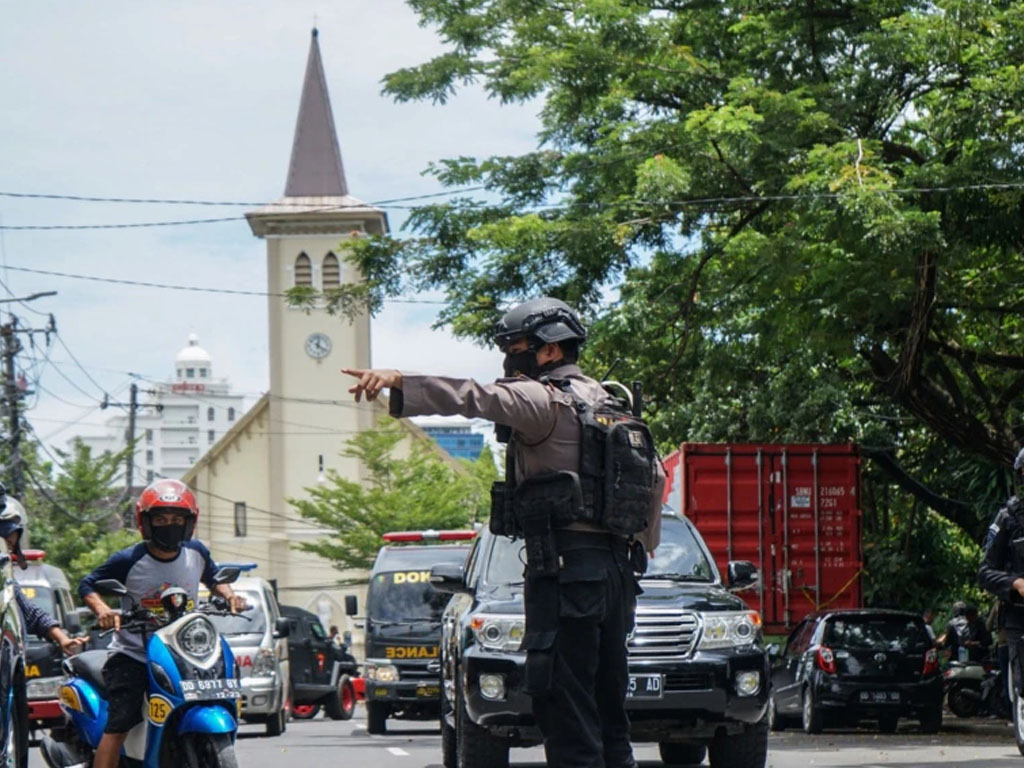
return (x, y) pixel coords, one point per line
(1002, 574)
(580, 588)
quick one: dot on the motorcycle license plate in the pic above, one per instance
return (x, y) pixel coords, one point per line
(645, 687)
(209, 689)
(880, 697)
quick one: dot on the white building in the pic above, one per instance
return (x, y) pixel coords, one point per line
(178, 420)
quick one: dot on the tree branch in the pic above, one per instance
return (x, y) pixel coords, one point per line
(887, 462)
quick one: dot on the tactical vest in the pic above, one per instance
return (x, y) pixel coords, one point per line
(613, 487)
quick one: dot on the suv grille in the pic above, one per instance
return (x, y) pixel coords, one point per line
(417, 671)
(662, 633)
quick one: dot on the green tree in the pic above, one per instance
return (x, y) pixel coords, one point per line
(75, 515)
(807, 217)
(407, 486)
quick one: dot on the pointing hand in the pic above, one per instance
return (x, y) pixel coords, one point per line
(372, 381)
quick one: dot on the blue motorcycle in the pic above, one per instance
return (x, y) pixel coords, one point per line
(190, 716)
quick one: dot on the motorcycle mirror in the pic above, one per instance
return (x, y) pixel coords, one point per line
(228, 574)
(111, 587)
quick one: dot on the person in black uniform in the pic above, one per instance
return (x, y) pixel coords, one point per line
(580, 588)
(1002, 574)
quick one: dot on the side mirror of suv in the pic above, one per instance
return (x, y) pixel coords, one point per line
(742, 574)
(351, 605)
(281, 627)
(448, 578)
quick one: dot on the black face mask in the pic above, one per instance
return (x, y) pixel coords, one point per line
(168, 537)
(522, 363)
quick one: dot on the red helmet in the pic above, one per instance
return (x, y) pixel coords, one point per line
(166, 494)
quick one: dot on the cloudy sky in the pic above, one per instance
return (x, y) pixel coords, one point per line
(198, 100)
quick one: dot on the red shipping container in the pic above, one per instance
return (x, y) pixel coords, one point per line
(792, 510)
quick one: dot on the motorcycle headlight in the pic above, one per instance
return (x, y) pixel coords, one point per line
(382, 673)
(43, 688)
(726, 630)
(265, 664)
(198, 638)
(498, 632)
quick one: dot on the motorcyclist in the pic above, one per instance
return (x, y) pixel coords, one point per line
(37, 621)
(1002, 574)
(166, 515)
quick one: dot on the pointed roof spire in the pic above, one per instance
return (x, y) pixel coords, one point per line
(315, 169)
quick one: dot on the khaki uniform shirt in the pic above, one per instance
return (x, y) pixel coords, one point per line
(543, 417)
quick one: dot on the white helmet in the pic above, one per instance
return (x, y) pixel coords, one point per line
(12, 519)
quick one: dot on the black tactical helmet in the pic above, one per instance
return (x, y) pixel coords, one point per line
(545, 320)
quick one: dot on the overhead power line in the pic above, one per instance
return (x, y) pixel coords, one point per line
(570, 204)
(173, 287)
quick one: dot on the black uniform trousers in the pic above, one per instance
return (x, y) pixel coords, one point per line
(583, 716)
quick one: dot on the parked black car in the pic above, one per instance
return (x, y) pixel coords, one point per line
(321, 672)
(698, 670)
(840, 667)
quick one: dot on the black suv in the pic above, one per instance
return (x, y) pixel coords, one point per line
(839, 667)
(698, 669)
(320, 672)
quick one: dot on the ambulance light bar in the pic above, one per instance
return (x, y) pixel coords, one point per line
(407, 536)
(33, 554)
(244, 567)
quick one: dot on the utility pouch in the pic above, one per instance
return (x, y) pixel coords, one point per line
(555, 495)
(540, 502)
(503, 520)
(638, 557)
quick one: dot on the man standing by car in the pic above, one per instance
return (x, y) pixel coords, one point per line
(1002, 574)
(580, 590)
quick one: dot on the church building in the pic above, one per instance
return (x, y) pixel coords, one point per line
(294, 434)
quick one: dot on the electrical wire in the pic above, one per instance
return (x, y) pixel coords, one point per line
(173, 287)
(596, 205)
(81, 367)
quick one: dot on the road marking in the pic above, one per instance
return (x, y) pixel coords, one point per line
(398, 751)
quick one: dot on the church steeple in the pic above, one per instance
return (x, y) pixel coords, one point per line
(315, 169)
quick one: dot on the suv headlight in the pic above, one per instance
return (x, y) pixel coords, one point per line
(198, 638)
(382, 673)
(265, 664)
(498, 632)
(725, 630)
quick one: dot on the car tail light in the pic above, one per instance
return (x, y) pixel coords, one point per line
(931, 663)
(405, 536)
(826, 660)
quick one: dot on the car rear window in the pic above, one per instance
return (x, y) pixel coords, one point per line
(877, 633)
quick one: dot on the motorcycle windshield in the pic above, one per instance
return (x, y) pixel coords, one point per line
(878, 648)
(250, 622)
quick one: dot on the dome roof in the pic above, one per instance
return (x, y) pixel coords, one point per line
(193, 354)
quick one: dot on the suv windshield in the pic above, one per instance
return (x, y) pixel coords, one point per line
(877, 633)
(678, 556)
(506, 563)
(42, 596)
(239, 624)
(405, 596)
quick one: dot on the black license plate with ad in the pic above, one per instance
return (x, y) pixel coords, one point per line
(880, 697)
(209, 689)
(645, 687)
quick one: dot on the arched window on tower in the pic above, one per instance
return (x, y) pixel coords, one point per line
(332, 271)
(303, 270)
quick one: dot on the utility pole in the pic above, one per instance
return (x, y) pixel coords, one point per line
(128, 518)
(12, 345)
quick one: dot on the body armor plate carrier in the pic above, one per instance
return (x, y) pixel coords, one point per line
(612, 489)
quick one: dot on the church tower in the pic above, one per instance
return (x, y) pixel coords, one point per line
(310, 411)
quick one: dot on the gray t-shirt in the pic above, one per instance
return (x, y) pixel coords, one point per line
(146, 577)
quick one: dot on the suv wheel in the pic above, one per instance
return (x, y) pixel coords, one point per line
(376, 717)
(811, 717)
(776, 722)
(931, 721)
(475, 747)
(341, 704)
(745, 750)
(682, 754)
(449, 750)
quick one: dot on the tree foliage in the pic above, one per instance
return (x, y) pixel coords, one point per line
(406, 486)
(792, 220)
